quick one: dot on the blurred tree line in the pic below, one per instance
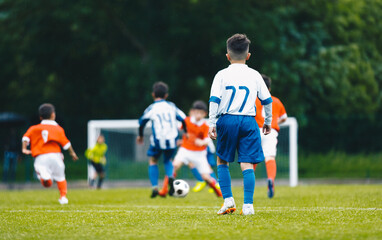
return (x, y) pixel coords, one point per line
(96, 59)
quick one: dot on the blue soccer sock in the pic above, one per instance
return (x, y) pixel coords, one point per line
(214, 175)
(169, 169)
(154, 175)
(225, 181)
(196, 174)
(249, 185)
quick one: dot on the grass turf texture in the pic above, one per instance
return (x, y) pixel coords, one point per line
(304, 212)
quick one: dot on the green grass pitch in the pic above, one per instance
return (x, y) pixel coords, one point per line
(304, 212)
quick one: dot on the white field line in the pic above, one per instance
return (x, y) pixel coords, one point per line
(258, 209)
(69, 211)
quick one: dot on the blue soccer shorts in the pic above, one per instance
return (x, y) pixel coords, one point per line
(241, 133)
(156, 152)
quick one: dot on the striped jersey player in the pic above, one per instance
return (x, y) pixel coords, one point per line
(163, 116)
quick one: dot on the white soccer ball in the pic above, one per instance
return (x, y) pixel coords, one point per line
(181, 188)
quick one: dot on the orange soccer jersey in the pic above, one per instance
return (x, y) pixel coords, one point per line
(195, 130)
(278, 112)
(46, 137)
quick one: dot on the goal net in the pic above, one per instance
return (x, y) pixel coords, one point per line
(127, 160)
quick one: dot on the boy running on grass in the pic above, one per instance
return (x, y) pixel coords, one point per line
(269, 142)
(231, 120)
(46, 140)
(193, 150)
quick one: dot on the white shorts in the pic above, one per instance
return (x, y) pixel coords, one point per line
(198, 158)
(269, 143)
(50, 166)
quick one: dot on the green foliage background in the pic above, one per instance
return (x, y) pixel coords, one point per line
(97, 59)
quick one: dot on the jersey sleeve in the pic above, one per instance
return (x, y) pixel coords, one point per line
(282, 112)
(63, 140)
(216, 93)
(146, 116)
(215, 99)
(27, 135)
(180, 116)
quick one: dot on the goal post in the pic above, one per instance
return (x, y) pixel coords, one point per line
(128, 161)
(291, 124)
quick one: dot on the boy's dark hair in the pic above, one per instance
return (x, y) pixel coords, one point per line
(160, 89)
(199, 105)
(45, 110)
(238, 46)
(267, 80)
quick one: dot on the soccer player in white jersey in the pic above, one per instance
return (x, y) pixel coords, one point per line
(231, 119)
(163, 116)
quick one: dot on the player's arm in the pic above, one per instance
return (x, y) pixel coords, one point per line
(282, 113)
(205, 140)
(215, 98)
(282, 119)
(24, 148)
(266, 100)
(25, 143)
(66, 145)
(180, 116)
(201, 142)
(142, 123)
(72, 153)
(268, 118)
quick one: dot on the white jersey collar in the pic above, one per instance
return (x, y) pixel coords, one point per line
(198, 123)
(49, 122)
(238, 65)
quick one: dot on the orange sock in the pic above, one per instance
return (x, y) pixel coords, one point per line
(164, 189)
(62, 187)
(254, 167)
(213, 186)
(46, 183)
(271, 168)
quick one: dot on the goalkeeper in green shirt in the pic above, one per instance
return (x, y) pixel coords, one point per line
(97, 159)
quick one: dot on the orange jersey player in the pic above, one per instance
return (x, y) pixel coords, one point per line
(193, 150)
(269, 142)
(45, 140)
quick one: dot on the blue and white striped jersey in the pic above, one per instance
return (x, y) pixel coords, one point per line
(235, 90)
(164, 116)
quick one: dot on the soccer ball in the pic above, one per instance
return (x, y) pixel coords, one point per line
(181, 188)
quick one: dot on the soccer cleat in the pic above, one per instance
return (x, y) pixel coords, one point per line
(154, 193)
(163, 192)
(63, 200)
(247, 209)
(199, 186)
(228, 206)
(171, 186)
(271, 188)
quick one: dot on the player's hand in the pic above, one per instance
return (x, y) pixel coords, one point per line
(27, 151)
(74, 156)
(140, 140)
(199, 142)
(212, 133)
(179, 142)
(266, 129)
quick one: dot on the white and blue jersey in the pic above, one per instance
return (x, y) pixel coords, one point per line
(235, 90)
(233, 110)
(163, 116)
